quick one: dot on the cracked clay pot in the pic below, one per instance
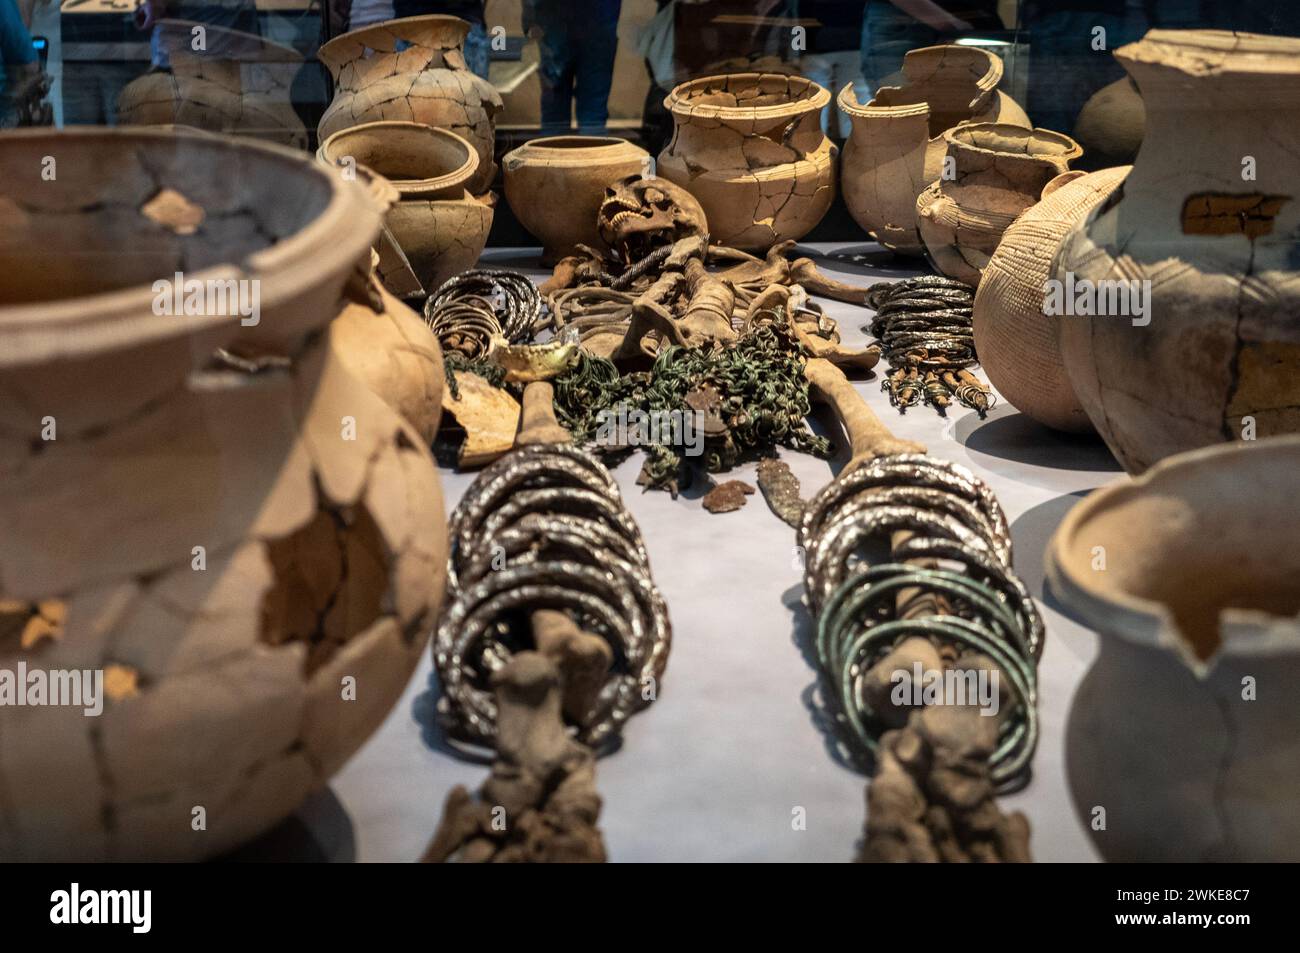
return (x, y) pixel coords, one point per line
(556, 186)
(1015, 340)
(438, 224)
(896, 146)
(750, 148)
(1196, 338)
(240, 83)
(997, 171)
(1184, 731)
(197, 501)
(412, 69)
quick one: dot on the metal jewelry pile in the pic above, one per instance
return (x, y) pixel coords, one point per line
(925, 513)
(544, 527)
(475, 308)
(924, 327)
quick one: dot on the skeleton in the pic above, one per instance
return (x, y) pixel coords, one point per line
(657, 288)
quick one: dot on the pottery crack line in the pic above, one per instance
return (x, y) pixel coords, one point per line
(1234, 364)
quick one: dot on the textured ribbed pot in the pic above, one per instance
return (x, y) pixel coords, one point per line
(750, 148)
(412, 69)
(1207, 222)
(555, 187)
(997, 171)
(896, 146)
(439, 225)
(200, 503)
(1016, 341)
(1184, 732)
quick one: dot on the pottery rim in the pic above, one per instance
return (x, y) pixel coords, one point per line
(1146, 621)
(1176, 49)
(850, 104)
(334, 55)
(332, 243)
(960, 137)
(449, 184)
(575, 150)
(678, 101)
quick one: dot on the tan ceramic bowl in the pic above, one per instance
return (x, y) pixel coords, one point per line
(555, 186)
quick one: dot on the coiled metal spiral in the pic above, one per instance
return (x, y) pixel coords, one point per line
(925, 332)
(470, 309)
(544, 527)
(923, 510)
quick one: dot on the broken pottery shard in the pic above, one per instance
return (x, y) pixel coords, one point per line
(727, 497)
(488, 415)
(932, 798)
(540, 802)
(781, 490)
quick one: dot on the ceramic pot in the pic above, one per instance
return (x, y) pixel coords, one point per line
(1203, 235)
(750, 148)
(896, 146)
(1110, 125)
(556, 185)
(997, 172)
(439, 226)
(239, 84)
(200, 503)
(386, 346)
(412, 69)
(1184, 731)
(1015, 340)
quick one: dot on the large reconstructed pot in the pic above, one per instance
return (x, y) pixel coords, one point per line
(200, 501)
(995, 173)
(1207, 224)
(750, 148)
(896, 146)
(438, 224)
(555, 186)
(412, 69)
(1014, 337)
(237, 83)
(1181, 742)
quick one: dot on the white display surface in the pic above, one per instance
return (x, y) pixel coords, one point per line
(716, 768)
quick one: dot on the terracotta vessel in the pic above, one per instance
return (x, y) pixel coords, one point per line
(1204, 231)
(386, 346)
(239, 84)
(1111, 123)
(438, 224)
(997, 172)
(750, 148)
(1184, 730)
(412, 69)
(556, 185)
(1016, 341)
(896, 147)
(199, 502)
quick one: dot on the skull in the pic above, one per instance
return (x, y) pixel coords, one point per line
(641, 213)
